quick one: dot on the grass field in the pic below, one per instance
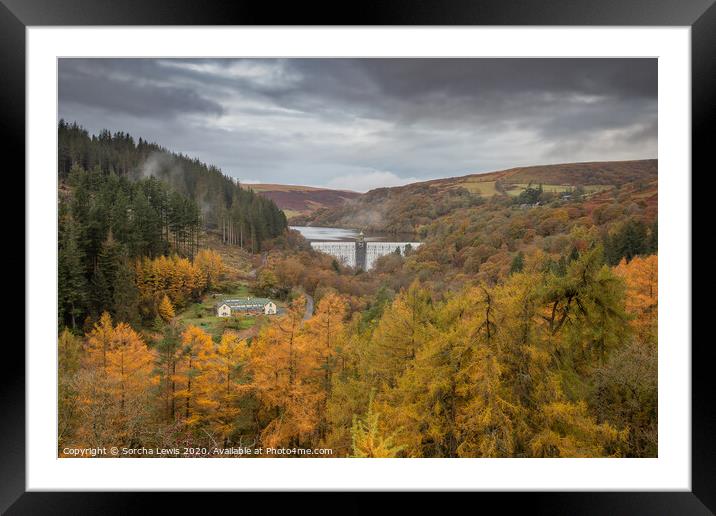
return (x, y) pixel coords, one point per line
(516, 189)
(203, 314)
(484, 188)
(487, 188)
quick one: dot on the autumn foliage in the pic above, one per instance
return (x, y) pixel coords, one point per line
(529, 367)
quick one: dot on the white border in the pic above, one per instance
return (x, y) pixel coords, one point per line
(670, 471)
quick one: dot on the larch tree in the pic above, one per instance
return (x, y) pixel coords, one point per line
(196, 343)
(221, 382)
(211, 265)
(429, 395)
(169, 353)
(323, 336)
(641, 275)
(404, 327)
(99, 342)
(368, 440)
(114, 385)
(284, 379)
(166, 310)
(129, 368)
(487, 419)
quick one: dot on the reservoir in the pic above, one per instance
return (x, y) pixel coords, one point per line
(353, 248)
(318, 234)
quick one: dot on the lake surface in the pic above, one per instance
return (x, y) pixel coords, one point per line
(318, 234)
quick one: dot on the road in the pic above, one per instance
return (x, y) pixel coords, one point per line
(309, 307)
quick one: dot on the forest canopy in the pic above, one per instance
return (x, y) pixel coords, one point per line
(219, 198)
(120, 202)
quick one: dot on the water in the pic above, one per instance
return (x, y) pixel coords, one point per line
(318, 234)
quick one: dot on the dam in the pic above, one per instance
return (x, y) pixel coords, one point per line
(351, 249)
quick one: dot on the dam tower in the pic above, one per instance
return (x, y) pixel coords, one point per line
(361, 252)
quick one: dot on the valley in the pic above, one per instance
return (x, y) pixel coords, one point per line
(521, 317)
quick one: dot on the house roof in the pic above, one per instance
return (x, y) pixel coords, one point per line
(245, 302)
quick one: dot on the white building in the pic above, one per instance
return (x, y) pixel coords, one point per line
(247, 305)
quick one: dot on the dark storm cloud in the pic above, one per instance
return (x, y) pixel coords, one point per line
(360, 123)
(132, 86)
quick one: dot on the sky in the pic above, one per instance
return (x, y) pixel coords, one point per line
(359, 124)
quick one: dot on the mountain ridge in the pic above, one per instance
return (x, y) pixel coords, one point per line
(299, 200)
(406, 208)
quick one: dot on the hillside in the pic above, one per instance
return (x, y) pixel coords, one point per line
(408, 208)
(122, 203)
(302, 200)
(593, 176)
(241, 215)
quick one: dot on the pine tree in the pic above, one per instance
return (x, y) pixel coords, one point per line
(105, 274)
(72, 284)
(125, 295)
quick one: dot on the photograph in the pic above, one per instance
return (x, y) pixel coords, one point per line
(356, 257)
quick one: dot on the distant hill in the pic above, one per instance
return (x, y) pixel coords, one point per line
(596, 175)
(297, 200)
(407, 208)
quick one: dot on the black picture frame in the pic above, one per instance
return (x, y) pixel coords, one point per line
(700, 15)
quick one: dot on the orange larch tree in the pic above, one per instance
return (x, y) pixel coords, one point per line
(641, 275)
(284, 380)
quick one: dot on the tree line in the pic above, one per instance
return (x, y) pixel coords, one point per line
(243, 217)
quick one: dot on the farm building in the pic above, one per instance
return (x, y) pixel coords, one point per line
(230, 307)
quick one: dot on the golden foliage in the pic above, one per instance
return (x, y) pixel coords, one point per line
(641, 275)
(175, 277)
(166, 310)
(211, 265)
(112, 386)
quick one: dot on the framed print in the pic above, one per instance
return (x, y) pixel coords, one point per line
(437, 249)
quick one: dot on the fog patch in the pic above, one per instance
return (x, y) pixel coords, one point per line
(362, 182)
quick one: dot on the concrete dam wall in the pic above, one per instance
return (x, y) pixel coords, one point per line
(361, 254)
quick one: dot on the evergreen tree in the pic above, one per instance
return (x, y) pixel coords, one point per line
(72, 284)
(105, 275)
(125, 295)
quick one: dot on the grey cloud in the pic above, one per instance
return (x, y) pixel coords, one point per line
(128, 86)
(313, 120)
